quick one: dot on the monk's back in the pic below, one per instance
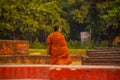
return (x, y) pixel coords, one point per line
(57, 48)
(57, 39)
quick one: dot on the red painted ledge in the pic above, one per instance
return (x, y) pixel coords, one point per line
(59, 72)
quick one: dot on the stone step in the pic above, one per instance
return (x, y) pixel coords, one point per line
(101, 63)
(101, 60)
(107, 48)
(98, 63)
(107, 57)
(102, 55)
(104, 52)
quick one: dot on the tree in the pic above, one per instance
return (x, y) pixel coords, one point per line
(110, 13)
(76, 11)
(94, 23)
(27, 19)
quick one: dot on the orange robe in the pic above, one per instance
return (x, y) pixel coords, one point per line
(57, 48)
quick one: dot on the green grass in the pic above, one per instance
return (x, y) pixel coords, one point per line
(77, 51)
(43, 51)
(37, 51)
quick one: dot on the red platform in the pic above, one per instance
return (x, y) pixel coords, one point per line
(59, 72)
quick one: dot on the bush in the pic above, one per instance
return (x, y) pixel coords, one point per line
(81, 45)
(77, 45)
(92, 44)
(73, 44)
(38, 45)
(88, 45)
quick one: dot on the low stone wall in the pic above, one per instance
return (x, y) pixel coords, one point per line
(14, 47)
(17, 52)
(30, 59)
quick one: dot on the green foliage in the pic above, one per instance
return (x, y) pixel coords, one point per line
(103, 20)
(94, 23)
(92, 45)
(25, 19)
(37, 45)
(110, 12)
(89, 45)
(34, 19)
(73, 44)
(76, 9)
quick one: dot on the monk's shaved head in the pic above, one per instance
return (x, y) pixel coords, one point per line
(56, 28)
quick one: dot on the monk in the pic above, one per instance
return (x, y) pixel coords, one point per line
(57, 48)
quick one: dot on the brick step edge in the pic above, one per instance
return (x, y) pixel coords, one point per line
(103, 52)
(104, 60)
(103, 55)
(115, 64)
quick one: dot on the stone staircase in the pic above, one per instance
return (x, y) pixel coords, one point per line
(102, 56)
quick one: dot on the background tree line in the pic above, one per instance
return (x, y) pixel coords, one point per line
(34, 19)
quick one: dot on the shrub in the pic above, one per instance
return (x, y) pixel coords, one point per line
(73, 44)
(92, 44)
(38, 45)
(88, 45)
(81, 45)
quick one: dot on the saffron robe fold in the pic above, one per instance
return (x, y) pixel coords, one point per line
(57, 49)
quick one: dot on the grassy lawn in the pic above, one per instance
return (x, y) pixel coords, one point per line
(43, 51)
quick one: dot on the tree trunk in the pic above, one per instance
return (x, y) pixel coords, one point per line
(110, 42)
(110, 35)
